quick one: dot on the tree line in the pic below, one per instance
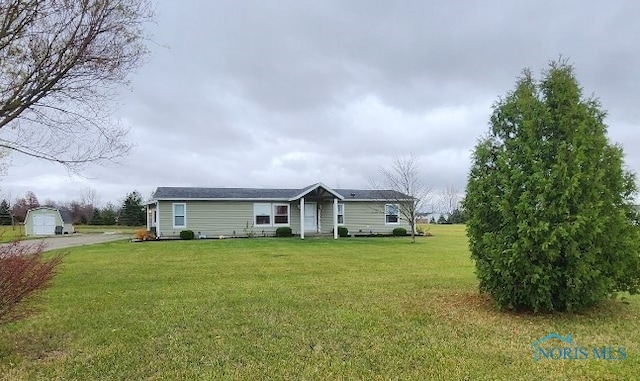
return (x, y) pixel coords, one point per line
(85, 211)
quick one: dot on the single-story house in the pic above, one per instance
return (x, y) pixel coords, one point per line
(48, 221)
(240, 212)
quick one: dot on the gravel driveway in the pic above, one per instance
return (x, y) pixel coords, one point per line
(78, 239)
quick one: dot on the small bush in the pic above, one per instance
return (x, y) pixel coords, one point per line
(343, 231)
(399, 232)
(284, 232)
(187, 234)
(23, 273)
(144, 235)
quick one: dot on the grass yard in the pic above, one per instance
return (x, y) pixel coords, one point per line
(319, 309)
(10, 233)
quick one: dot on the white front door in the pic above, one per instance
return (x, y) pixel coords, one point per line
(310, 217)
(44, 225)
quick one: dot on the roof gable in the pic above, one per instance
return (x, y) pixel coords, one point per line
(318, 189)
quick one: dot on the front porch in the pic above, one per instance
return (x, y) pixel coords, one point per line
(313, 204)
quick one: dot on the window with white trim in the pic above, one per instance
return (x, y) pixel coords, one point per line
(391, 214)
(281, 214)
(340, 214)
(262, 214)
(179, 215)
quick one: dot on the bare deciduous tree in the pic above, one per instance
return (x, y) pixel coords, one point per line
(400, 180)
(61, 62)
(89, 196)
(449, 200)
(22, 205)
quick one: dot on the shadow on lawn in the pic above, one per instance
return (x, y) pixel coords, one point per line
(473, 306)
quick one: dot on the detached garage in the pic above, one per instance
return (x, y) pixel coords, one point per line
(48, 221)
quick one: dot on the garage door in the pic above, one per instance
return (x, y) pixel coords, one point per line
(44, 225)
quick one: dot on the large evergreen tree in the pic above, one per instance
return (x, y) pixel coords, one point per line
(132, 211)
(108, 214)
(96, 217)
(548, 200)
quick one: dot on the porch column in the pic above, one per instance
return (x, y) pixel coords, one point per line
(158, 219)
(149, 217)
(335, 218)
(302, 217)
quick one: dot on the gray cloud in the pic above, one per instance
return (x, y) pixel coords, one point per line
(288, 93)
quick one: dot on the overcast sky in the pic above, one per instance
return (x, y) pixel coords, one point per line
(288, 93)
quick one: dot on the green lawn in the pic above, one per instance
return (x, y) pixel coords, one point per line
(10, 233)
(319, 309)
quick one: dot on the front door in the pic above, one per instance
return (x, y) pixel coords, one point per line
(310, 217)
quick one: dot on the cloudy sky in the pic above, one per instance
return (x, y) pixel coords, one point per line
(287, 93)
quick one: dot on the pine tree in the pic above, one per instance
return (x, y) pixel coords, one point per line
(108, 214)
(5, 212)
(132, 212)
(548, 200)
(456, 217)
(96, 218)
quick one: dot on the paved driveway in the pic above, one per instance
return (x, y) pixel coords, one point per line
(64, 241)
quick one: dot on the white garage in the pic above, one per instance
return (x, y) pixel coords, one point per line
(48, 221)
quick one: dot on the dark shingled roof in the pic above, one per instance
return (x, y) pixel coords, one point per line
(220, 193)
(371, 194)
(66, 216)
(189, 193)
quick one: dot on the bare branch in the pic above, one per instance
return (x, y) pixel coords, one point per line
(401, 184)
(61, 62)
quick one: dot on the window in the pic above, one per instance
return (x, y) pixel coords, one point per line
(262, 214)
(280, 214)
(340, 214)
(391, 213)
(179, 215)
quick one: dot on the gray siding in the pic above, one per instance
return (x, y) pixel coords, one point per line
(365, 217)
(226, 218)
(220, 218)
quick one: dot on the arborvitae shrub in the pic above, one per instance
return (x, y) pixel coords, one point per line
(548, 201)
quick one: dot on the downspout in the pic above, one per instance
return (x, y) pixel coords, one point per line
(158, 233)
(335, 218)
